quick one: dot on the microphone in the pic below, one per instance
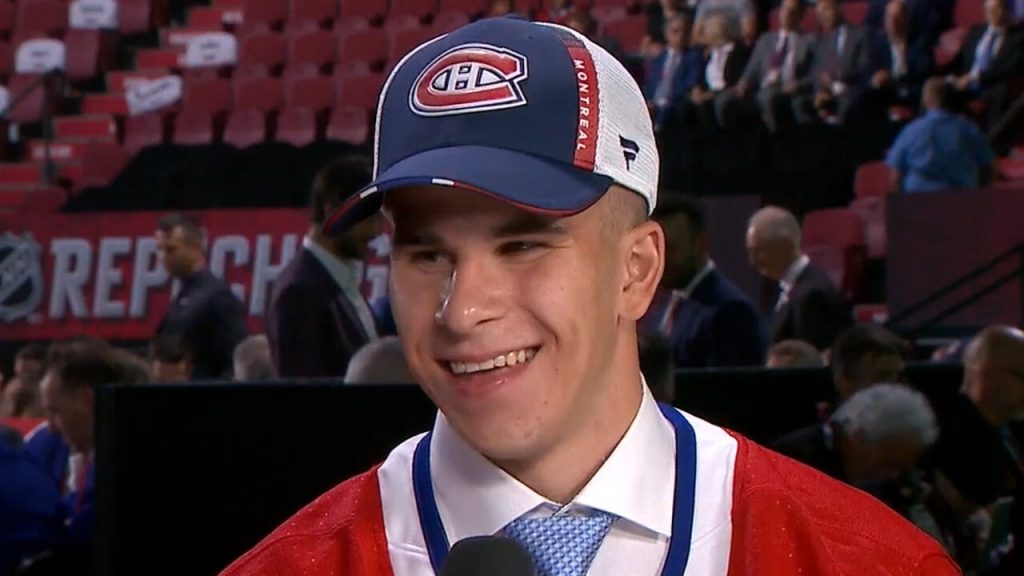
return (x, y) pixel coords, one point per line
(490, 555)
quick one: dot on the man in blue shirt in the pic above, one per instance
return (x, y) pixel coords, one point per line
(940, 150)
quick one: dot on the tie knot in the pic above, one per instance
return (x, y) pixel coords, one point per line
(564, 544)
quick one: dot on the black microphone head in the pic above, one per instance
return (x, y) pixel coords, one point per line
(488, 556)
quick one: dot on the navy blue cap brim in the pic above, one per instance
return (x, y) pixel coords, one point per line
(528, 182)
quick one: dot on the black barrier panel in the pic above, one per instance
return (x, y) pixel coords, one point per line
(190, 477)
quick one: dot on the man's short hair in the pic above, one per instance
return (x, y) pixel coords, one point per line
(379, 362)
(796, 354)
(938, 93)
(33, 352)
(169, 350)
(774, 223)
(888, 411)
(864, 341)
(336, 182)
(669, 206)
(252, 359)
(191, 229)
(84, 363)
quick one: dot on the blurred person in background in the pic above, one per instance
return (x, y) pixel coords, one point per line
(317, 316)
(940, 150)
(875, 437)
(977, 458)
(900, 64)
(865, 355)
(740, 15)
(809, 306)
(204, 313)
(794, 354)
(252, 362)
(842, 65)
(725, 58)
(20, 394)
(672, 73)
(707, 320)
(379, 362)
(582, 22)
(30, 508)
(170, 360)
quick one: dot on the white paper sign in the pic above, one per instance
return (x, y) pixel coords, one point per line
(93, 14)
(39, 56)
(210, 50)
(149, 95)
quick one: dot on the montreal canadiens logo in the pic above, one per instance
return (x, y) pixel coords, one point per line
(470, 78)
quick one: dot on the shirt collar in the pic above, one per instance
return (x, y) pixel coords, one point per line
(794, 272)
(476, 497)
(688, 291)
(344, 272)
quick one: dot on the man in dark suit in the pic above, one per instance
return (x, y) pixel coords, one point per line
(841, 65)
(725, 57)
(899, 63)
(707, 320)
(204, 314)
(672, 74)
(990, 58)
(317, 316)
(777, 76)
(809, 306)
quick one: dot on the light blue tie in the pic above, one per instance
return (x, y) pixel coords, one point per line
(561, 545)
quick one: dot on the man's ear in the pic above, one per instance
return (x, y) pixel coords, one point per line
(644, 249)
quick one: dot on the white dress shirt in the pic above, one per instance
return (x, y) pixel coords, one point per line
(992, 34)
(898, 53)
(636, 483)
(347, 274)
(789, 278)
(714, 73)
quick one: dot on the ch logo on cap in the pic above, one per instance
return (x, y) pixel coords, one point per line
(470, 78)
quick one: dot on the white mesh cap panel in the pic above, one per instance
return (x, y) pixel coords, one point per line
(622, 113)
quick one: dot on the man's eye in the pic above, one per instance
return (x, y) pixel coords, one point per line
(426, 256)
(519, 247)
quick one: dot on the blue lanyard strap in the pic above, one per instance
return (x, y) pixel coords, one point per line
(682, 512)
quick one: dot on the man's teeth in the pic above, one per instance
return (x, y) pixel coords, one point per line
(501, 361)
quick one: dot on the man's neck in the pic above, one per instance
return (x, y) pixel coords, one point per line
(561, 473)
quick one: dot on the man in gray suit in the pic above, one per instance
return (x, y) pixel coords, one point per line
(842, 65)
(777, 79)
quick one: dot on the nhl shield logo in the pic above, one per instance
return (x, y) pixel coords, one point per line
(470, 78)
(21, 276)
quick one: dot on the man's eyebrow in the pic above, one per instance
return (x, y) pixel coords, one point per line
(415, 238)
(530, 224)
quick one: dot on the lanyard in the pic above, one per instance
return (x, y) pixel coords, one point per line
(682, 511)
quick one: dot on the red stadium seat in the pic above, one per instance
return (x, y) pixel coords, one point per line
(211, 95)
(836, 238)
(398, 23)
(372, 10)
(808, 24)
(6, 17)
(359, 91)
(349, 125)
(303, 70)
(322, 12)
(267, 49)
(6, 58)
(143, 131)
(468, 7)
(608, 13)
(245, 128)
(296, 27)
(133, 16)
(446, 22)
(367, 45)
(49, 16)
(315, 93)
(86, 56)
(192, 127)
(251, 71)
(296, 126)
(969, 13)
(872, 179)
(419, 9)
(344, 27)
(404, 41)
(872, 212)
(855, 12)
(270, 12)
(949, 45)
(101, 163)
(315, 47)
(349, 68)
(249, 28)
(262, 94)
(1011, 168)
(628, 31)
(30, 109)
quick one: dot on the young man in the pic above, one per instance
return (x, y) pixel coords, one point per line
(518, 166)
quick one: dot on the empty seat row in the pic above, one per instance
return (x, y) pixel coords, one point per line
(52, 16)
(276, 12)
(268, 94)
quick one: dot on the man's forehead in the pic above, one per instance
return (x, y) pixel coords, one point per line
(429, 206)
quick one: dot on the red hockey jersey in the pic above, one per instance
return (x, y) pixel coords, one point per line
(787, 519)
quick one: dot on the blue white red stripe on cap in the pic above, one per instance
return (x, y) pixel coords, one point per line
(534, 114)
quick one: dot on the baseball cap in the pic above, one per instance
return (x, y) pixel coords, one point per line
(532, 113)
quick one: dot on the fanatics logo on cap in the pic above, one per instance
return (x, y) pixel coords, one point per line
(470, 78)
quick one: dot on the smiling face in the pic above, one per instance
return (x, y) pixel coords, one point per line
(521, 327)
